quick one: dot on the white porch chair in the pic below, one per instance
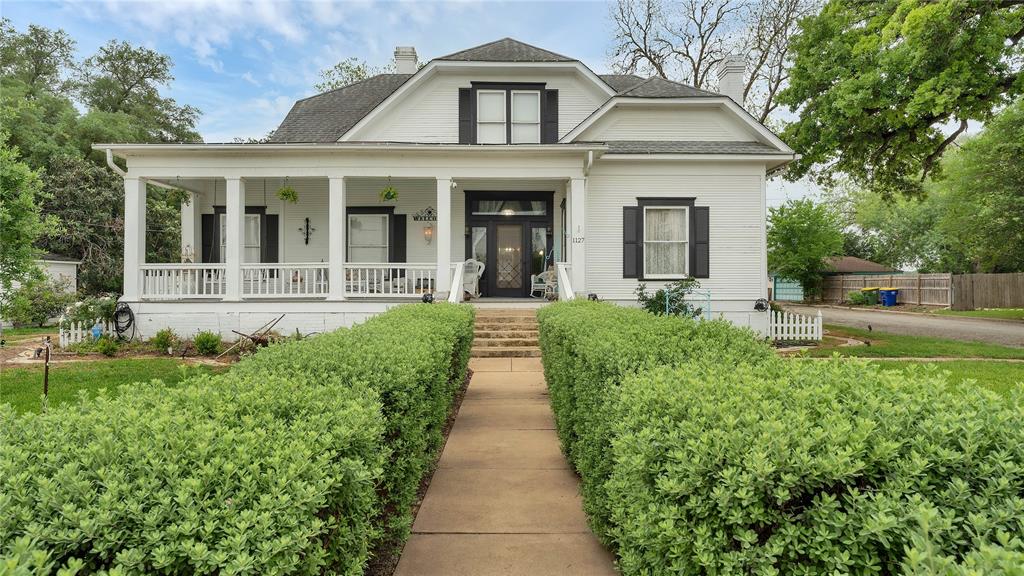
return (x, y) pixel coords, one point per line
(471, 275)
(544, 283)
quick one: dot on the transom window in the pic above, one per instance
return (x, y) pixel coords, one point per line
(666, 241)
(507, 116)
(368, 238)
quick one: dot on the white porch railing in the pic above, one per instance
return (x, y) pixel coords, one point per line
(790, 327)
(455, 295)
(564, 287)
(389, 280)
(285, 280)
(182, 281)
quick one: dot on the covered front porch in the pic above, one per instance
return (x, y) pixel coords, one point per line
(339, 240)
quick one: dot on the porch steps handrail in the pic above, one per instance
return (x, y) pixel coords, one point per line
(455, 294)
(565, 292)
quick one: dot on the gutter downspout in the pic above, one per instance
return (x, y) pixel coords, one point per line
(113, 166)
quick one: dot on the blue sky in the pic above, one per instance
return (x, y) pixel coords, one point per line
(244, 63)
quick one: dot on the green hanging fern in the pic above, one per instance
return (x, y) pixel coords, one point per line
(388, 193)
(288, 194)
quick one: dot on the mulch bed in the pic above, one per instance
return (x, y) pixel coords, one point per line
(384, 559)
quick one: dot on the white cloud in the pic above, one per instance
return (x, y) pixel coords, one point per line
(248, 77)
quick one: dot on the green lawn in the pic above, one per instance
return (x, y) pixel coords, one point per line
(1004, 313)
(885, 345)
(999, 376)
(15, 334)
(23, 387)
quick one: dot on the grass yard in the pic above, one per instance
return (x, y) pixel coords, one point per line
(885, 345)
(999, 376)
(1001, 313)
(17, 334)
(22, 387)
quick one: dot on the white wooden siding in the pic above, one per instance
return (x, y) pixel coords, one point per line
(701, 124)
(430, 112)
(734, 194)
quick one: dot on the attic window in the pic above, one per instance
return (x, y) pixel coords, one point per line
(508, 115)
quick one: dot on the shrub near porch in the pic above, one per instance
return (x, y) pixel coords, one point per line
(710, 463)
(254, 471)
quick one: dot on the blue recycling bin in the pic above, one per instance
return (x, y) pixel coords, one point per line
(888, 296)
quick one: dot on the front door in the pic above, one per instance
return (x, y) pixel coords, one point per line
(510, 232)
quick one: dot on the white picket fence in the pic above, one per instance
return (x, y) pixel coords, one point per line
(76, 332)
(791, 327)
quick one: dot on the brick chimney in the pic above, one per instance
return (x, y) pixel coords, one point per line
(405, 59)
(730, 77)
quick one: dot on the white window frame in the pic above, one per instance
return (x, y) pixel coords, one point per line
(504, 115)
(387, 237)
(222, 221)
(685, 243)
(512, 97)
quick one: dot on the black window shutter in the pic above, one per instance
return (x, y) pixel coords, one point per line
(632, 241)
(270, 235)
(209, 248)
(701, 253)
(397, 240)
(549, 127)
(466, 116)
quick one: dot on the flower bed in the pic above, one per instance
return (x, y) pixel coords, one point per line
(701, 454)
(298, 461)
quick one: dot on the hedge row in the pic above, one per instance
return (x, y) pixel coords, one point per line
(703, 453)
(291, 463)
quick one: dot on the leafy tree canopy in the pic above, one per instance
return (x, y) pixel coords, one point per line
(801, 235)
(883, 88)
(40, 58)
(349, 71)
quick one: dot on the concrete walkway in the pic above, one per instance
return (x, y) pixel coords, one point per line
(503, 499)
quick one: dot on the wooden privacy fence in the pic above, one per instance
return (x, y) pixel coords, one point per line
(971, 291)
(791, 327)
(925, 289)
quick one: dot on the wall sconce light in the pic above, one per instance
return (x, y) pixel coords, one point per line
(428, 233)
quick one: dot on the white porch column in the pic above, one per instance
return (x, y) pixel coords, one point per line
(189, 250)
(336, 238)
(577, 235)
(134, 237)
(234, 211)
(444, 236)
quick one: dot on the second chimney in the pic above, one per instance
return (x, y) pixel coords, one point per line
(730, 77)
(405, 59)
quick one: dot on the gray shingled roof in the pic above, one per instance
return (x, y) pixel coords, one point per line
(688, 147)
(326, 117)
(506, 50)
(621, 82)
(658, 87)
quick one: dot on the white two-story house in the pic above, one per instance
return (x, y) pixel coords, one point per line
(508, 156)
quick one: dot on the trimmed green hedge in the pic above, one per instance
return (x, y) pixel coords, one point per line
(589, 348)
(284, 465)
(718, 459)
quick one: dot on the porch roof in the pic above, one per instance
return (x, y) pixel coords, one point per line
(125, 149)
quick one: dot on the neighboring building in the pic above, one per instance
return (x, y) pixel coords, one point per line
(59, 268)
(517, 157)
(787, 290)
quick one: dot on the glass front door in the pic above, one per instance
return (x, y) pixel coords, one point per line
(508, 261)
(510, 232)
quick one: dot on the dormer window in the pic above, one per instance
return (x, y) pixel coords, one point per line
(508, 113)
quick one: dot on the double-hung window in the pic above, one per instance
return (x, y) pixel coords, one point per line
(666, 245)
(508, 116)
(251, 238)
(368, 238)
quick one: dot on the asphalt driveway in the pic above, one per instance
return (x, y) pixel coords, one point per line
(1007, 333)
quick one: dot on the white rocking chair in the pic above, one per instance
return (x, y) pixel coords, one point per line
(545, 283)
(471, 275)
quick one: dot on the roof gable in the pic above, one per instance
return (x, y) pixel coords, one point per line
(506, 50)
(326, 117)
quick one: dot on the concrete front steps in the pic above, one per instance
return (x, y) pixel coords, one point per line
(505, 333)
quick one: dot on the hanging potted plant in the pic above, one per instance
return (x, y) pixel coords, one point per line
(388, 193)
(287, 194)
